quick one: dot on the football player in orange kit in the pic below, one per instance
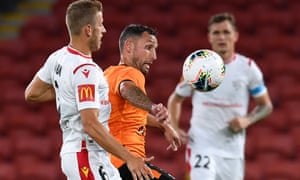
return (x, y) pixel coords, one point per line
(132, 110)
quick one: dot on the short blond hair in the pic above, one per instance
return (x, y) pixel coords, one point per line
(80, 13)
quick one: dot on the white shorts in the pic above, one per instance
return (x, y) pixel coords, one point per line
(211, 167)
(92, 165)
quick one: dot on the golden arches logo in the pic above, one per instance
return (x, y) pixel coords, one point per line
(86, 92)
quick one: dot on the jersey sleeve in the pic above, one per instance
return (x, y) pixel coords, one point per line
(184, 89)
(86, 86)
(45, 72)
(256, 83)
(129, 74)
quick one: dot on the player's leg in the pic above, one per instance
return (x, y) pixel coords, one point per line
(70, 167)
(230, 169)
(200, 164)
(88, 165)
(102, 167)
(158, 173)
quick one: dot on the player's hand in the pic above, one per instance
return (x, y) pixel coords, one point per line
(160, 112)
(172, 137)
(139, 169)
(239, 123)
(184, 137)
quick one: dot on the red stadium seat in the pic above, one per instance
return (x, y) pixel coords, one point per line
(8, 171)
(6, 150)
(280, 170)
(277, 120)
(280, 144)
(31, 168)
(253, 171)
(26, 142)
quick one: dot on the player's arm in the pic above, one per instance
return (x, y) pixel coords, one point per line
(170, 133)
(175, 102)
(39, 91)
(102, 136)
(174, 106)
(133, 94)
(263, 108)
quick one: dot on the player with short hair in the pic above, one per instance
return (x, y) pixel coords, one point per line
(216, 138)
(132, 110)
(77, 83)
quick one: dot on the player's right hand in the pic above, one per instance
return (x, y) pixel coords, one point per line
(160, 112)
(139, 169)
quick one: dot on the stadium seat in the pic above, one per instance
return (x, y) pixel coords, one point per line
(26, 142)
(35, 122)
(250, 148)
(12, 92)
(282, 145)
(153, 138)
(155, 90)
(15, 48)
(189, 43)
(170, 46)
(50, 115)
(6, 150)
(36, 26)
(4, 124)
(31, 168)
(295, 132)
(8, 171)
(55, 136)
(251, 47)
(287, 170)
(245, 23)
(253, 171)
(293, 116)
(277, 120)
(222, 7)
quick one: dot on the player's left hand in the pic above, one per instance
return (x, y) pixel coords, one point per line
(239, 123)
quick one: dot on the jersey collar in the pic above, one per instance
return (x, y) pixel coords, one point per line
(76, 52)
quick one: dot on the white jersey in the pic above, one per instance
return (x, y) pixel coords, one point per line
(209, 128)
(79, 84)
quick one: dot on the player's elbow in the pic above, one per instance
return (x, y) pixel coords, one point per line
(270, 108)
(87, 128)
(29, 96)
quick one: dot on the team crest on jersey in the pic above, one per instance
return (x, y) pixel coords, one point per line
(86, 92)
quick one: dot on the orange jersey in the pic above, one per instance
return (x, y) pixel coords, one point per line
(127, 123)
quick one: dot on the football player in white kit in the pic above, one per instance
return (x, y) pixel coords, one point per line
(77, 83)
(216, 138)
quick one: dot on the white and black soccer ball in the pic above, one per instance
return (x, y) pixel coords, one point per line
(204, 70)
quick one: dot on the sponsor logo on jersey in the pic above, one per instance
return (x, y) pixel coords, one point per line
(86, 92)
(142, 130)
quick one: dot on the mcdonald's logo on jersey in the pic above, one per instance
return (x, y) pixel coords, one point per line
(86, 92)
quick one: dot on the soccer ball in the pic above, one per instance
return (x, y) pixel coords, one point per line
(204, 70)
